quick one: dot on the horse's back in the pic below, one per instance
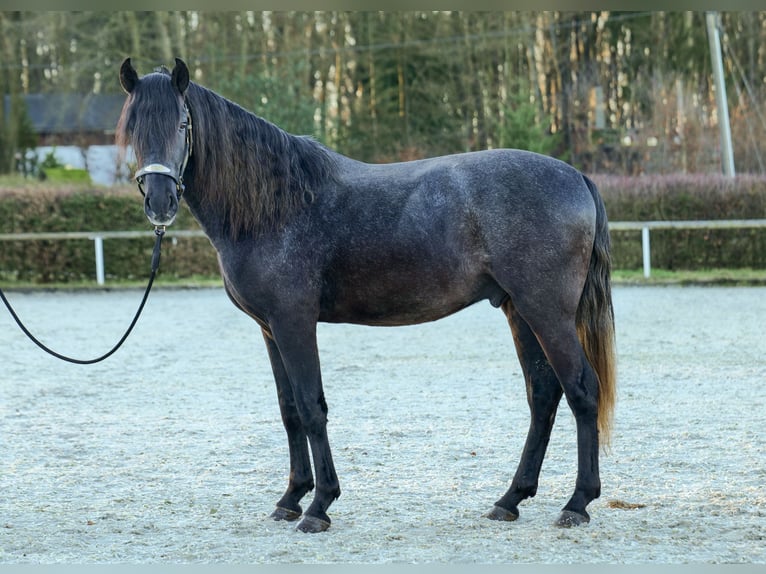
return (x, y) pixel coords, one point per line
(511, 176)
(509, 197)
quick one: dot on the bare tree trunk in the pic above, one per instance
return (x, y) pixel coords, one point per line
(244, 46)
(401, 61)
(135, 34)
(373, 83)
(166, 50)
(9, 135)
(561, 56)
(458, 75)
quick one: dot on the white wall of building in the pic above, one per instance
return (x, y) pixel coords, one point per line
(101, 161)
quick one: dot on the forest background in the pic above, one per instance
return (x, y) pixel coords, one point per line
(610, 92)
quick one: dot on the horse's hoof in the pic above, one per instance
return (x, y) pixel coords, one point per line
(569, 518)
(312, 524)
(500, 513)
(281, 513)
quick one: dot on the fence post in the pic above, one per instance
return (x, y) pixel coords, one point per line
(98, 241)
(646, 252)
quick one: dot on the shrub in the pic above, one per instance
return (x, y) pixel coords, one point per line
(687, 197)
(42, 208)
(36, 207)
(66, 175)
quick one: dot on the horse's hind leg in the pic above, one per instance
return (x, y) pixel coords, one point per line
(301, 480)
(543, 395)
(558, 339)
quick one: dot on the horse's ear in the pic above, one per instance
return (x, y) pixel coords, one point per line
(180, 76)
(128, 76)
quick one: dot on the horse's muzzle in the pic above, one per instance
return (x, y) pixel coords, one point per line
(160, 199)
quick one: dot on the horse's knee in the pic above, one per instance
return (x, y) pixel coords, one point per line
(313, 415)
(315, 426)
(292, 422)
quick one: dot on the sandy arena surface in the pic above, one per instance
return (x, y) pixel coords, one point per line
(172, 451)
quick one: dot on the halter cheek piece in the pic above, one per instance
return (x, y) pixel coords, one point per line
(162, 169)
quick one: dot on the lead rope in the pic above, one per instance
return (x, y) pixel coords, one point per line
(159, 232)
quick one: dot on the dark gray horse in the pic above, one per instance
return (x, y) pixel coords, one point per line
(304, 234)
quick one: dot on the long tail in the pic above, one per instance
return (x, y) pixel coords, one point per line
(595, 320)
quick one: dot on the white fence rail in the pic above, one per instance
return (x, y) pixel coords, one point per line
(643, 226)
(98, 240)
(646, 226)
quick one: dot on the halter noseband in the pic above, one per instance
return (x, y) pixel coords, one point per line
(162, 169)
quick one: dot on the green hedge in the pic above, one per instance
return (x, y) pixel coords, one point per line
(687, 197)
(70, 208)
(37, 208)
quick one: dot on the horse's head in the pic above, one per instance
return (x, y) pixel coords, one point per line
(156, 122)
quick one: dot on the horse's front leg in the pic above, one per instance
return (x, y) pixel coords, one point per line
(295, 340)
(301, 480)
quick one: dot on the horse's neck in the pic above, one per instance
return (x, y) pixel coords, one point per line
(212, 223)
(279, 170)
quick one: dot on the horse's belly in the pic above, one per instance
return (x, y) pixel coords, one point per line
(407, 302)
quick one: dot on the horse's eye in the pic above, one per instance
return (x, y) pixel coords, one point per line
(182, 127)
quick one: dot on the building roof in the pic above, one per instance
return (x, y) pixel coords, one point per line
(72, 113)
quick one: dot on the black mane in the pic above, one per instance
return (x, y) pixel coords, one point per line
(259, 174)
